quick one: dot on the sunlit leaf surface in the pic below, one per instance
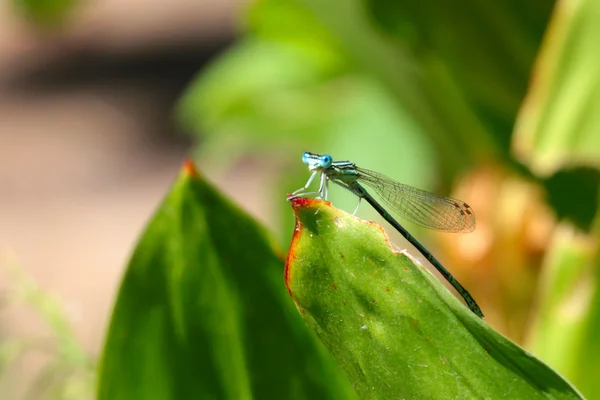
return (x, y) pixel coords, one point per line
(395, 329)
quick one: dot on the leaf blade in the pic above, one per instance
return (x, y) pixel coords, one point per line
(392, 326)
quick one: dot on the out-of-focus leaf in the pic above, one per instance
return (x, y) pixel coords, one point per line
(588, 365)
(393, 327)
(262, 95)
(202, 312)
(69, 372)
(281, 87)
(293, 24)
(486, 48)
(573, 194)
(559, 125)
(460, 70)
(286, 83)
(45, 13)
(566, 329)
(558, 133)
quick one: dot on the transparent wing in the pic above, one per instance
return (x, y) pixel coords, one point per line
(419, 206)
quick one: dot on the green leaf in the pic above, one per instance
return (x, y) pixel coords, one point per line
(559, 125)
(203, 314)
(487, 53)
(558, 136)
(566, 328)
(393, 327)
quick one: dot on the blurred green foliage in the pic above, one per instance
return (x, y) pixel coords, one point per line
(70, 372)
(557, 134)
(565, 329)
(559, 125)
(458, 71)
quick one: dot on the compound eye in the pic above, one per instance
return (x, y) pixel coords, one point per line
(305, 157)
(326, 161)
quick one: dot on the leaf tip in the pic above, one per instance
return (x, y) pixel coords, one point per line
(300, 202)
(189, 169)
(297, 203)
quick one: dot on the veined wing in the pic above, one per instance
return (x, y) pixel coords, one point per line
(419, 206)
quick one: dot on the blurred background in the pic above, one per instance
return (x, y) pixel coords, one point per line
(88, 148)
(100, 101)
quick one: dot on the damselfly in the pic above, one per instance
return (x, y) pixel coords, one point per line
(416, 205)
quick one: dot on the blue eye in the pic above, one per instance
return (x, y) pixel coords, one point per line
(305, 157)
(326, 161)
